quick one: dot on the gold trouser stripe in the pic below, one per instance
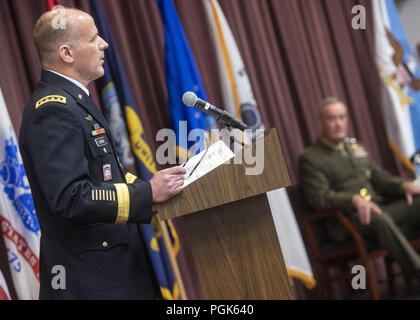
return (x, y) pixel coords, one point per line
(113, 195)
(93, 194)
(130, 177)
(123, 197)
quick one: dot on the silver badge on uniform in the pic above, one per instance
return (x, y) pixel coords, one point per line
(101, 141)
(107, 172)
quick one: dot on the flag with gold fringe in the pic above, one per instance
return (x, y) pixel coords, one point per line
(400, 76)
(239, 99)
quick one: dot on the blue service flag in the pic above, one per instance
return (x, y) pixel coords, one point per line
(181, 74)
(115, 92)
(114, 74)
(410, 62)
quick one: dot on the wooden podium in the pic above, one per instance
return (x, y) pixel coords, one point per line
(231, 230)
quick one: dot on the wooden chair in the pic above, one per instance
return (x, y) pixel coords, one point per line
(325, 252)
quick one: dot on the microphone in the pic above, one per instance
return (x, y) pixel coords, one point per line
(190, 99)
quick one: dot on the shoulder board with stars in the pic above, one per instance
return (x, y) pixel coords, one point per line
(51, 98)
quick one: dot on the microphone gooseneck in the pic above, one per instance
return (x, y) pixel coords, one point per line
(190, 99)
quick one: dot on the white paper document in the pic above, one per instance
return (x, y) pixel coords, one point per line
(207, 160)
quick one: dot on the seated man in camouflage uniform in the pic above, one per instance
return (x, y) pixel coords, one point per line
(337, 173)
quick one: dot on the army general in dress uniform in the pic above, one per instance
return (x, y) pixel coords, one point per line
(88, 207)
(338, 173)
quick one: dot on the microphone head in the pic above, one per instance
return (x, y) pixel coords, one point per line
(189, 98)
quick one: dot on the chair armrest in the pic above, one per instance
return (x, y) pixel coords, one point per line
(307, 222)
(354, 233)
(309, 219)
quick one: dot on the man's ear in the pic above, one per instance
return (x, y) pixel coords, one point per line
(66, 53)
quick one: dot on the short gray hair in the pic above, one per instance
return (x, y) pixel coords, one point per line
(48, 39)
(327, 101)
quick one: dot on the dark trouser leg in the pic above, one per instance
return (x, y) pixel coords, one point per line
(405, 216)
(385, 230)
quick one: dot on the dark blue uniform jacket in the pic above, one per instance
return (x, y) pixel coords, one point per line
(87, 206)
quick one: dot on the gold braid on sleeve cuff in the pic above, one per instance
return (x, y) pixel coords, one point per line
(123, 198)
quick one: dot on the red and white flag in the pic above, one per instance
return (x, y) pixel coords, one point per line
(4, 292)
(18, 221)
(50, 4)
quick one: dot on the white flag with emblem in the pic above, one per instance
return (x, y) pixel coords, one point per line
(400, 76)
(238, 97)
(239, 100)
(18, 221)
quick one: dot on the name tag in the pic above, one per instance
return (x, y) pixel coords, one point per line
(101, 141)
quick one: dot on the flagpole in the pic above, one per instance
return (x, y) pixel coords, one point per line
(172, 258)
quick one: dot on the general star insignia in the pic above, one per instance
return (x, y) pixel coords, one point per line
(50, 98)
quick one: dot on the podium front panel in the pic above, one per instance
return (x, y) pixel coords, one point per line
(237, 253)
